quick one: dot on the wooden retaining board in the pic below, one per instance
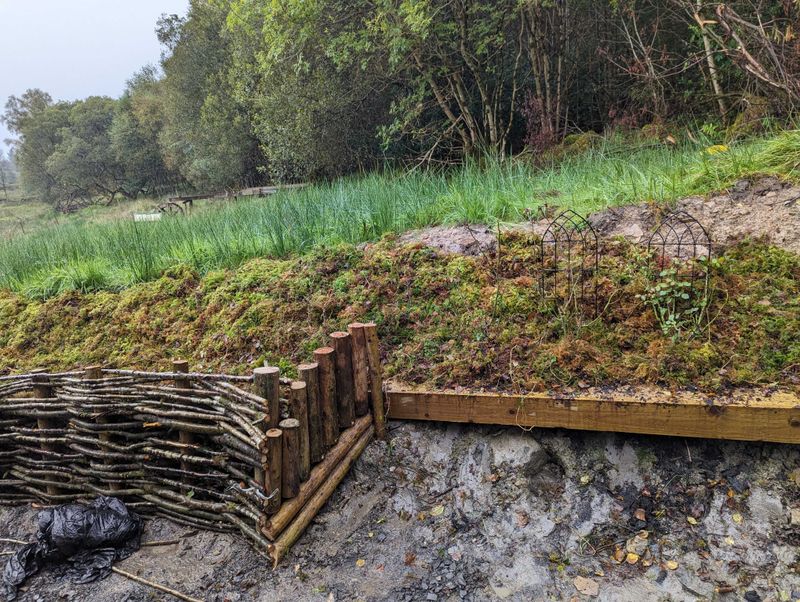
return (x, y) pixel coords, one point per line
(775, 418)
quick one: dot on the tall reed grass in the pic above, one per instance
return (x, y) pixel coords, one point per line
(363, 208)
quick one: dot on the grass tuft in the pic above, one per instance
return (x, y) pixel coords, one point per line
(93, 256)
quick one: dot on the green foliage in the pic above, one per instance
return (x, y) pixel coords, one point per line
(678, 304)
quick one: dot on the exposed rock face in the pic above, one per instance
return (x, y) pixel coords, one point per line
(464, 512)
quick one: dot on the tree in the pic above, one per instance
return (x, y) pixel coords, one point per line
(315, 107)
(137, 122)
(207, 135)
(38, 124)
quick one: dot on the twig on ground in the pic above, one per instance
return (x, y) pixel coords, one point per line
(17, 541)
(163, 542)
(161, 588)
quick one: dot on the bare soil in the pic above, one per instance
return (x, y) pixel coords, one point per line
(765, 209)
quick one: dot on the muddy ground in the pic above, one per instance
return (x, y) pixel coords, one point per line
(766, 208)
(452, 512)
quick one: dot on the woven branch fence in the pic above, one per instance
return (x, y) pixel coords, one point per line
(257, 454)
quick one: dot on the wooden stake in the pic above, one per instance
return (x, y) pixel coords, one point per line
(326, 360)
(186, 437)
(290, 458)
(360, 368)
(319, 475)
(272, 470)
(375, 379)
(309, 375)
(298, 409)
(775, 418)
(345, 401)
(267, 384)
(43, 390)
(292, 533)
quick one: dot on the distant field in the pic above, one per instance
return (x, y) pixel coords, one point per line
(79, 252)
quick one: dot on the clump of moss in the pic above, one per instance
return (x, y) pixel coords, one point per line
(444, 320)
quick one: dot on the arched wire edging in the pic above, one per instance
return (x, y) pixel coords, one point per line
(570, 243)
(681, 238)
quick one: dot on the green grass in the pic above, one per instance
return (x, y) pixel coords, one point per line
(94, 256)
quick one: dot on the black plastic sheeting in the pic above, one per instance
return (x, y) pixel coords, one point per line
(88, 539)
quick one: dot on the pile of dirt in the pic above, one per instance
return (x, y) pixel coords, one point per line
(463, 512)
(765, 209)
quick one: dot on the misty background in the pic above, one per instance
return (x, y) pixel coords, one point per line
(76, 49)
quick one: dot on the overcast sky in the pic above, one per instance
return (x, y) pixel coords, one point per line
(76, 48)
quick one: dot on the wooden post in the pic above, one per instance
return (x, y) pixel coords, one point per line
(295, 529)
(43, 390)
(319, 476)
(184, 437)
(375, 379)
(309, 374)
(290, 458)
(325, 358)
(267, 384)
(360, 368)
(263, 387)
(342, 343)
(272, 470)
(298, 409)
(95, 373)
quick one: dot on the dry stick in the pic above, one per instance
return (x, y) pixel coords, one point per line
(360, 368)
(267, 382)
(319, 475)
(325, 358)
(273, 471)
(184, 437)
(43, 390)
(290, 458)
(161, 588)
(376, 379)
(293, 531)
(298, 409)
(309, 374)
(344, 378)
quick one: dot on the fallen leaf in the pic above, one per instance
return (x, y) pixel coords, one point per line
(639, 514)
(691, 520)
(360, 562)
(729, 540)
(585, 479)
(737, 518)
(410, 558)
(671, 565)
(632, 558)
(588, 587)
(522, 518)
(437, 511)
(370, 534)
(619, 555)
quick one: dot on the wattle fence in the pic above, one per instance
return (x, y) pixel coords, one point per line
(258, 454)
